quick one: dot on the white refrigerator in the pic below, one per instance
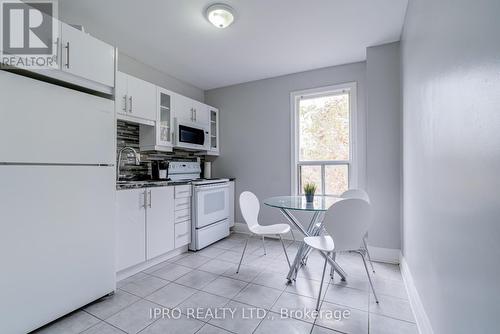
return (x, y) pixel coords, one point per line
(57, 184)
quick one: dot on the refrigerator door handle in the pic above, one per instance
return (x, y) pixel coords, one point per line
(149, 192)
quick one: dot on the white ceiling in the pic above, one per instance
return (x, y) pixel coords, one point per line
(268, 38)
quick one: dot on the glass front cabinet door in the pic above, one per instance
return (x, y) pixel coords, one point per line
(164, 123)
(214, 131)
(159, 136)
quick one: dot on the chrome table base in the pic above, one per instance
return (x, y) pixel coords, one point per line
(314, 229)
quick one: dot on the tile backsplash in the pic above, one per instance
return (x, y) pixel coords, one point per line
(128, 135)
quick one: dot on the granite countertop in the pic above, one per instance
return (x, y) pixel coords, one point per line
(122, 185)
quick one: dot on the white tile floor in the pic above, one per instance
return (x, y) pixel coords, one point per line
(207, 280)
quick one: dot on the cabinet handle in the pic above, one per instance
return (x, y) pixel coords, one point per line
(192, 114)
(130, 99)
(195, 115)
(125, 100)
(67, 54)
(144, 202)
(181, 217)
(181, 235)
(150, 200)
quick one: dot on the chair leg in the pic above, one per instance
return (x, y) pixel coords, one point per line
(332, 270)
(368, 274)
(243, 253)
(293, 235)
(321, 286)
(284, 250)
(264, 245)
(368, 254)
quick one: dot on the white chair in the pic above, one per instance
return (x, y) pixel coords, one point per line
(250, 207)
(359, 193)
(346, 223)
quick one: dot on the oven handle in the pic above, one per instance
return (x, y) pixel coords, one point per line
(205, 187)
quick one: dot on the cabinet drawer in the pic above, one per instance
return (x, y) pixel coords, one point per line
(183, 203)
(182, 234)
(183, 191)
(182, 215)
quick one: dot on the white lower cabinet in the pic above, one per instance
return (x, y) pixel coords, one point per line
(146, 224)
(130, 228)
(182, 215)
(160, 221)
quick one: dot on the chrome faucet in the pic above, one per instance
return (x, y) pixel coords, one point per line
(137, 157)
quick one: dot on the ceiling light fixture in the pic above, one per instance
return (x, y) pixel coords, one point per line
(220, 15)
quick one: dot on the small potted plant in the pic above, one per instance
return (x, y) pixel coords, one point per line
(309, 190)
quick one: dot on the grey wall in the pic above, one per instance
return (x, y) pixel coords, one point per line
(255, 130)
(125, 63)
(451, 93)
(136, 68)
(383, 143)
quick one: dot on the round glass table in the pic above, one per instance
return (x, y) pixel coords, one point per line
(320, 204)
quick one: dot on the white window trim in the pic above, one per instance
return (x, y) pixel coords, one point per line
(354, 171)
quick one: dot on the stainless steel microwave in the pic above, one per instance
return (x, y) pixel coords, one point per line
(191, 136)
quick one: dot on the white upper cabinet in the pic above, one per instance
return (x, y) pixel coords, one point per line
(201, 114)
(213, 114)
(121, 92)
(87, 57)
(155, 109)
(159, 136)
(82, 60)
(189, 110)
(135, 99)
(183, 108)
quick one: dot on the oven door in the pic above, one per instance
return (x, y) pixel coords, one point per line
(211, 204)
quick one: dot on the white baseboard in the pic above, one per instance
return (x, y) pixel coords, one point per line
(423, 322)
(145, 265)
(386, 255)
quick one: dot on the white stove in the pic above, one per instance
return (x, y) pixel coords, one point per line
(210, 204)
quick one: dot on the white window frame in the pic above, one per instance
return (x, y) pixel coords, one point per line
(353, 162)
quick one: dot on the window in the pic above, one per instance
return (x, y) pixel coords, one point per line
(323, 149)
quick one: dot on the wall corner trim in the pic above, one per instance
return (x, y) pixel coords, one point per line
(423, 322)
